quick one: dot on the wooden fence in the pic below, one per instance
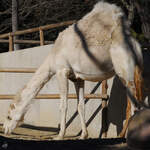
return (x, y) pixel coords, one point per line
(57, 96)
(102, 96)
(40, 29)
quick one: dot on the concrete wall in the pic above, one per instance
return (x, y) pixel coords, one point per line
(45, 113)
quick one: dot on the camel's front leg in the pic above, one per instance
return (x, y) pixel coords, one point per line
(79, 85)
(62, 77)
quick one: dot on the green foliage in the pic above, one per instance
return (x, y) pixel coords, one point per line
(139, 36)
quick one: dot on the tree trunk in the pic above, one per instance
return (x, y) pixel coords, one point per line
(15, 21)
(130, 7)
(143, 12)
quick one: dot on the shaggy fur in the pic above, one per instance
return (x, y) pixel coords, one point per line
(108, 40)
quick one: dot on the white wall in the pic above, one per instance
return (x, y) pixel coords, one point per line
(46, 112)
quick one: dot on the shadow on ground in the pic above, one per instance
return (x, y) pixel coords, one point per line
(90, 144)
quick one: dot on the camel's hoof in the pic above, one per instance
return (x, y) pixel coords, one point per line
(58, 138)
(83, 136)
(8, 126)
(122, 135)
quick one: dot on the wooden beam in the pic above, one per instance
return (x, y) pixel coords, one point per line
(104, 109)
(104, 87)
(65, 23)
(18, 70)
(46, 27)
(57, 96)
(26, 41)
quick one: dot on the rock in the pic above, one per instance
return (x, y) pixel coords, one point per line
(138, 134)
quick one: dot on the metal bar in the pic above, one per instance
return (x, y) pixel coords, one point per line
(57, 96)
(18, 70)
(46, 27)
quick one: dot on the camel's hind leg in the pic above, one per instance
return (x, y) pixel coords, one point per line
(128, 115)
(62, 78)
(79, 85)
(136, 88)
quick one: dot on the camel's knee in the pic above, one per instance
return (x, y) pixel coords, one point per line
(81, 107)
(63, 107)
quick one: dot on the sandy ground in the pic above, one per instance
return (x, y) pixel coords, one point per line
(29, 137)
(28, 132)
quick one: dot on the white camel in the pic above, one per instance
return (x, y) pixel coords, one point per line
(96, 48)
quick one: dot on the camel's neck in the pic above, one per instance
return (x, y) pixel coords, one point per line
(42, 75)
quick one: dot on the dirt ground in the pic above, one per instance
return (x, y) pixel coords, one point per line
(28, 132)
(26, 138)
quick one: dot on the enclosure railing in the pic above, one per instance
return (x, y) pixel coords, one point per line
(102, 96)
(40, 29)
(57, 96)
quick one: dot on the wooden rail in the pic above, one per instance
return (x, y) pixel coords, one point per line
(57, 96)
(46, 27)
(32, 30)
(18, 70)
(103, 96)
(26, 41)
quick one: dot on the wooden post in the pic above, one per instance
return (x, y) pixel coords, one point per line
(11, 45)
(41, 36)
(104, 109)
(104, 90)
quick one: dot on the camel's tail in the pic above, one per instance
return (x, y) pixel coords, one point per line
(23, 99)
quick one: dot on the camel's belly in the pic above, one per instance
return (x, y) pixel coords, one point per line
(94, 77)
